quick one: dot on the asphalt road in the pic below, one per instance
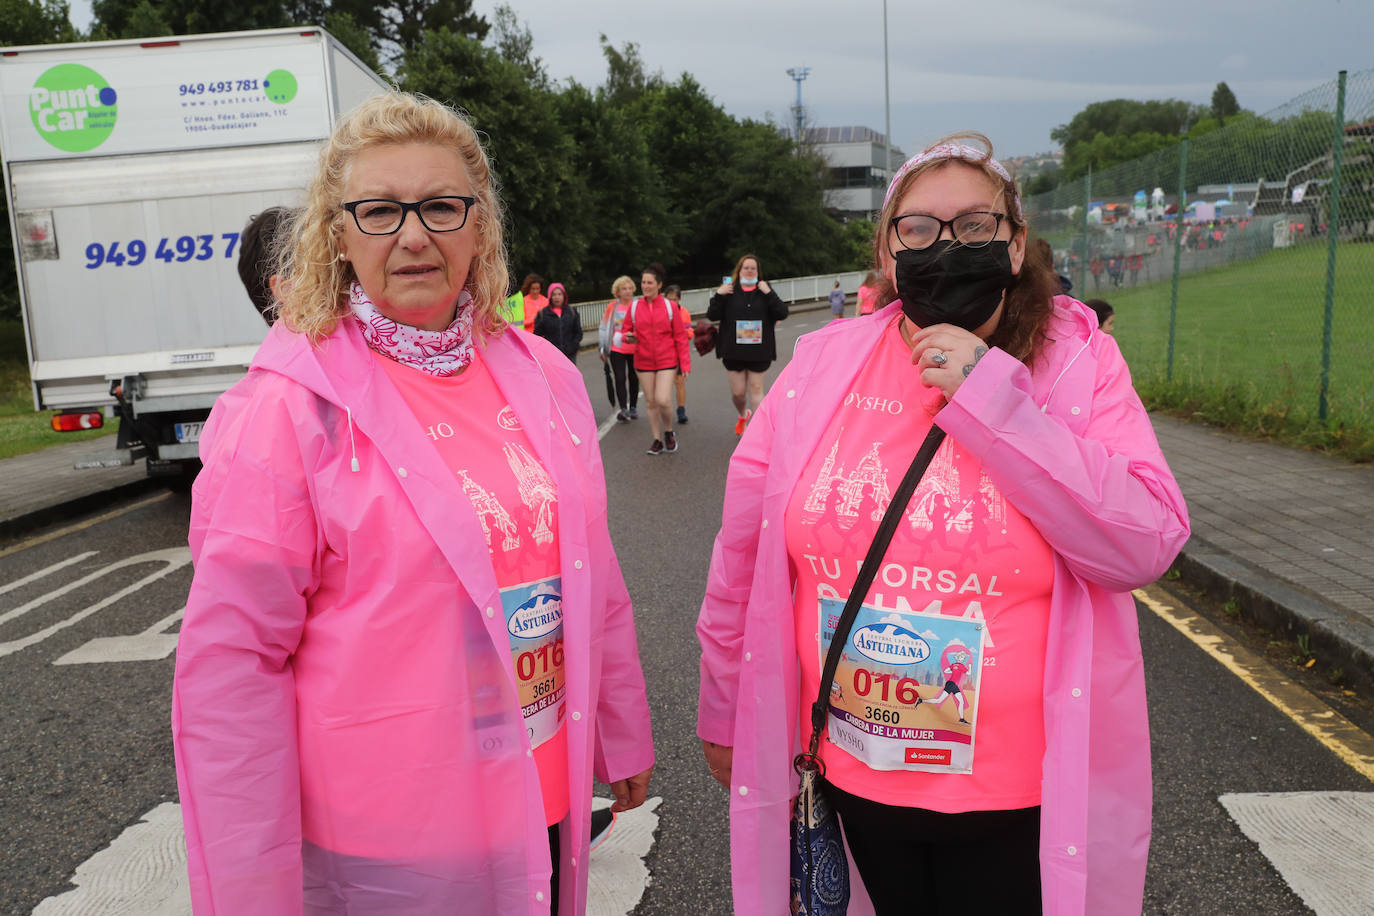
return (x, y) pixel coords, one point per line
(87, 748)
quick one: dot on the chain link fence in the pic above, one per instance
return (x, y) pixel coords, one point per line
(1240, 264)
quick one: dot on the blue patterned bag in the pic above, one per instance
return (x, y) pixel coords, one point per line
(820, 869)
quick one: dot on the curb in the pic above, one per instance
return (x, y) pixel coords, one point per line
(20, 525)
(1338, 638)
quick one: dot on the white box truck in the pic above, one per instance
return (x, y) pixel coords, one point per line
(130, 169)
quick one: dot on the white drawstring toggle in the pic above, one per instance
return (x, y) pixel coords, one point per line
(352, 445)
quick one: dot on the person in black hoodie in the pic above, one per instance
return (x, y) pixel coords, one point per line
(559, 323)
(747, 309)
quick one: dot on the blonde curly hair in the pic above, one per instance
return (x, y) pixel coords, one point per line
(316, 282)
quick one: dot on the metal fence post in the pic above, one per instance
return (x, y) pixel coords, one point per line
(1087, 202)
(1178, 252)
(1333, 235)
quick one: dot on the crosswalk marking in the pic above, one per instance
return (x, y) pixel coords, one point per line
(143, 872)
(171, 560)
(1321, 843)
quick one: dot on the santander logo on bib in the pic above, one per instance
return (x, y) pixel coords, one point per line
(890, 643)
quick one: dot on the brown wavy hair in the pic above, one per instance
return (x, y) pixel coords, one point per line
(734, 275)
(316, 282)
(1029, 298)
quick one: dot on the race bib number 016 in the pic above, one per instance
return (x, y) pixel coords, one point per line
(534, 619)
(905, 695)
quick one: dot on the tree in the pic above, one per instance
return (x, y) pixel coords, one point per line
(35, 22)
(135, 18)
(626, 217)
(1224, 103)
(513, 40)
(404, 23)
(626, 78)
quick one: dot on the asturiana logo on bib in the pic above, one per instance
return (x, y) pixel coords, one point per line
(891, 645)
(539, 616)
(73, 107)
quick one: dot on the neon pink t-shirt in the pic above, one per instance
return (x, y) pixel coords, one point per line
(618, 312)
(867, 298)
(962, 551)
(480, 438)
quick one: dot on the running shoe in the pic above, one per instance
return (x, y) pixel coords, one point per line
(634, 414)
(669, 441)
(682, 415)
(742, 422)
(603, 819)
(655, 449)
(621, 417)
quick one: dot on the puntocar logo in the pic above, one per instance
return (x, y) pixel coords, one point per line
(537, 617)
(890, 644)
(73, 107)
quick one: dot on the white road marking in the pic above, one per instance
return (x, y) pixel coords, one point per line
(147, 646)
(1321, 843)
(47, 571)
(171, 559)
(143, 872)
(605, 427)
(619, 876)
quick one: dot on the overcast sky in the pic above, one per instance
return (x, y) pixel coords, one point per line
(1013, 69)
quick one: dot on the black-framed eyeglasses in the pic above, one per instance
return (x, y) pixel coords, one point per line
(382, 216)
(972, 230)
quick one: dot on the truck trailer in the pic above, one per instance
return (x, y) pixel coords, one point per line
(131, 167)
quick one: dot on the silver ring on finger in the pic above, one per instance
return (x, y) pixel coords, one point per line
(939, 358)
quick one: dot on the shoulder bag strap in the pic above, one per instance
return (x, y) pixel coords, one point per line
(867, 572)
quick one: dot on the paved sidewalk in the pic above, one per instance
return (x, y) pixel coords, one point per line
(1288, 533)
(43, 487)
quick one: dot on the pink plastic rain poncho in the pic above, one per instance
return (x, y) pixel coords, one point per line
(332, 728)
(1069, 444)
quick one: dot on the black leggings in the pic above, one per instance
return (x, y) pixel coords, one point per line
(622, 367)
(554, 853)
(970, 863)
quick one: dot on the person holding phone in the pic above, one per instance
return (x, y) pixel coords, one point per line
(747, 309)
(1002, 608)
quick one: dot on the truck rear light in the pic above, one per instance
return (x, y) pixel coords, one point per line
(71, 422)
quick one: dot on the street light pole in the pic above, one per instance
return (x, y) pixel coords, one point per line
(887, 106)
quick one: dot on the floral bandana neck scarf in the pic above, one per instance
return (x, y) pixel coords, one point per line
(441, 353)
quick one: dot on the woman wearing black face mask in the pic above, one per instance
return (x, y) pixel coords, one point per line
(1000, 608)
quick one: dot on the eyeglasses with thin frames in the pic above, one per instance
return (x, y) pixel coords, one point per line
(383, 216)
(974, 229)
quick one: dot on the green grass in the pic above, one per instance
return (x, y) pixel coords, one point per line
(1248, 347)
(22, 429)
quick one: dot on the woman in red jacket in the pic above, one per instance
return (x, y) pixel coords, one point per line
(655, 326)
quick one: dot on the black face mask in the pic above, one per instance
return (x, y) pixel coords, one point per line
(948, 283)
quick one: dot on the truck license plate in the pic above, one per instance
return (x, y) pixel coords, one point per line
(188, 432)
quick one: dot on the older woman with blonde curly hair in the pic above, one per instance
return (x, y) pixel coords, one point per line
(382, 703)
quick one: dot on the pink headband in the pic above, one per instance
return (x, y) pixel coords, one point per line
(953, 151)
